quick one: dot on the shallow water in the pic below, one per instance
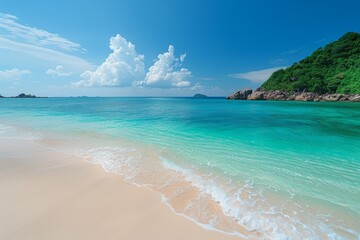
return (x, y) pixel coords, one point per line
(257, 169)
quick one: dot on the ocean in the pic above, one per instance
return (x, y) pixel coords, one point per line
(256, 169)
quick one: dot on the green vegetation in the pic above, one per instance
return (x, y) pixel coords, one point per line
(333, 69)
(23, 95)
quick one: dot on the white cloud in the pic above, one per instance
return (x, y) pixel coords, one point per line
(14, 74)
(197, 87)
(259, 76)
(46, 54)
(166, 73)
(182, 57)
(122, 67)
(59, 71)
(35, 36)
(125, 67)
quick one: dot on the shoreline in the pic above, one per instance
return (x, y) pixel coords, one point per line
(51, 195)
(189, 192)
(278, 95)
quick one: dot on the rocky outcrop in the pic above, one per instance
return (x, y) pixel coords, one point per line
(241, 95)
(356, 98)
(257, 95)
(276, 95)
(339, 97)
(306, 96)
(260, 94)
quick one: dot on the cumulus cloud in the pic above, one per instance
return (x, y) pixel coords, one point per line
(14, 74)
(259, 76)
(35, 36)
(167, 71)
(122, 67)
(59, 71)
(125, 67)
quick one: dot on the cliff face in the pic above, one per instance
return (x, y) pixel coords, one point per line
(329, 70)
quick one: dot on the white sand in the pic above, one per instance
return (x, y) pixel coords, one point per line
(50, 195)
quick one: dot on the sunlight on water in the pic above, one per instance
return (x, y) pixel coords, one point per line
(279, 170)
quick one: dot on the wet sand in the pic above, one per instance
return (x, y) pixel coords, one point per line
(46, 194)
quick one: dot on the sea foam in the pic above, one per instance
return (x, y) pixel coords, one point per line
(11, 132)
(241, 204)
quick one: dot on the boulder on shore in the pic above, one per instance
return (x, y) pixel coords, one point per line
(355, 98)
(257, 95)
(306, 96)
(276, 95)
(260, 94)
(241, 95)
(331, 97)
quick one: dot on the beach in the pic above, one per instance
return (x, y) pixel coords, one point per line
(46, 194)
(179, 120)
(164, 168)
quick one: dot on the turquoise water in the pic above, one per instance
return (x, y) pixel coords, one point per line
(279, 170)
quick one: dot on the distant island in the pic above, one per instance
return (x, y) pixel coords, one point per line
(331, 73)
(23, 95)
(198, 95)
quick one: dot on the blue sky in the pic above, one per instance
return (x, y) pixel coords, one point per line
(159, 48)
